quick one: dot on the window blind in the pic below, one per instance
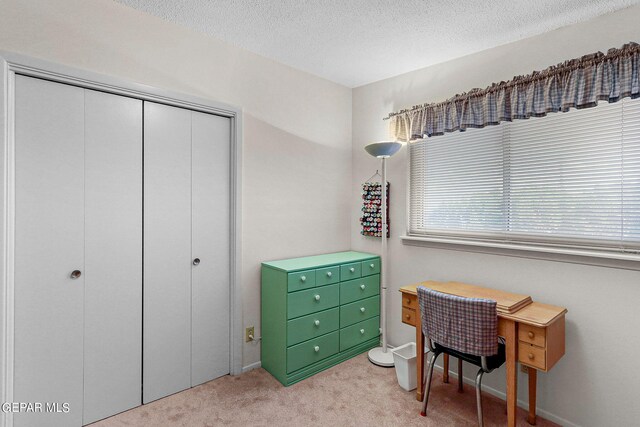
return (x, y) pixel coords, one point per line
(567, 179)
(457, 182)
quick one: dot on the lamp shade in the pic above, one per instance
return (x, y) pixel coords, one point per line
(383, 150)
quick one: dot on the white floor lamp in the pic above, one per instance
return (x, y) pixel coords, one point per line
(383, 150)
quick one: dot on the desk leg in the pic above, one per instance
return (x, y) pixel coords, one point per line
(420, 355)
(511, 338)
(533, 376)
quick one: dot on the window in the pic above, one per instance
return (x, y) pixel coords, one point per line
(568, 179)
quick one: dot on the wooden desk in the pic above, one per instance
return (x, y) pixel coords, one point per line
(533, 333)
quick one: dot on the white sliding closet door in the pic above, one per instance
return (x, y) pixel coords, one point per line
(113, 255)
(78, 253)
(167, 251)
(186, 249)
(210, 236)
(49, 246)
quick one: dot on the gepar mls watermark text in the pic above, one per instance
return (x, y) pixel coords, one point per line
(35, 407)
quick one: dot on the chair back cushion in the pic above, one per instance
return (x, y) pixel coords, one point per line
(467, 325)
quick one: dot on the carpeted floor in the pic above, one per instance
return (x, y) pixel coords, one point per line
(354, 393)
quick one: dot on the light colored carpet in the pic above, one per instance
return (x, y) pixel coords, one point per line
(354, 393)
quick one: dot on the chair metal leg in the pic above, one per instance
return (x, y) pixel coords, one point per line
(425, 398)
(479, 396)
(460, 389)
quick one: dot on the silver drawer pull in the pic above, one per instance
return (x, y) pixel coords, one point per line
(362, 331)
(372, 265)
(316, 349)
(328, 274)
(317, 297)
(75, 274)
(317, 323)
(362, 309)
(303, 278)
(362, 286)
(353, 270)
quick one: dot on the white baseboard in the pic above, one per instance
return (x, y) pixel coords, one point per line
(251, 366)
(521, 403)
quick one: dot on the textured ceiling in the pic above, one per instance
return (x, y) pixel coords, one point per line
(355, 42)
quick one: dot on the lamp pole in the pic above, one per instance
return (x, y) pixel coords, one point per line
(382, 150)
(383, 256)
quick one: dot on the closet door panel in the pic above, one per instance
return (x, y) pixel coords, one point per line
(113, 255)
(210, 219)
(167, 251)
(49, 245)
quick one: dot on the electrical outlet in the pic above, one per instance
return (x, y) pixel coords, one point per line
(524, 369)
(249, 334)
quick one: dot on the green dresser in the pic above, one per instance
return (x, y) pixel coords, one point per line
(318, 311)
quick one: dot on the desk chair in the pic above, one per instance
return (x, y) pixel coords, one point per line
(465, 328)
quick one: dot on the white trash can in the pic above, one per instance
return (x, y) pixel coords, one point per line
(404, 357)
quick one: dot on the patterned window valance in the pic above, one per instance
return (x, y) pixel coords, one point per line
(577, 83)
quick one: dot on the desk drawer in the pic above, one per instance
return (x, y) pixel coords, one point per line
(532, 356)
(311, 351)
(312, 300)
(350, 271)
(354, 290)
(410, 301)
(313, 325)
(359, 311)
(370, 267)
(409, 316)
(359, 333)
(532, 335)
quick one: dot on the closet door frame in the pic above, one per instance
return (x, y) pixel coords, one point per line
(12, 64)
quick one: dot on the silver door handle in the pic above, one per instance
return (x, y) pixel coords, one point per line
(196, 261)
(75, 274)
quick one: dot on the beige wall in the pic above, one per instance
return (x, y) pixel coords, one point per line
(297, 127)
(595, 383)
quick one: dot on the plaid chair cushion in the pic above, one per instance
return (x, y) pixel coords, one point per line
(467, 325)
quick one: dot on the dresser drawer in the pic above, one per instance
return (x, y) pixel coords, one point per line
(350, 271)
(371, 267)
(359, 311)
(327, 276)
(532, 335)
(312, 351)
(313, 325)
(301, 280)
(359, 333)
(532, 355)
(312, 300)
(409, 316)
(364, 287)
